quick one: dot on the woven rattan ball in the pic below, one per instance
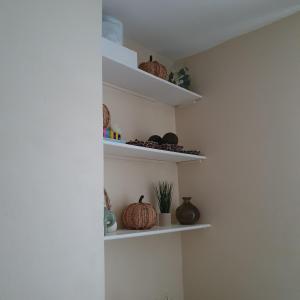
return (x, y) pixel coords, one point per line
(154, 68)
(106, 117)
(139, 215)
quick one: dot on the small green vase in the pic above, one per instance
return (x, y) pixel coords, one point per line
(109, 219)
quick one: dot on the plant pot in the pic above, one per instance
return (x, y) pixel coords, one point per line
(165, 219)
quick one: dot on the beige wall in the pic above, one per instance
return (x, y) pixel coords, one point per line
(248, 125)
(144, 268)
(50, 155)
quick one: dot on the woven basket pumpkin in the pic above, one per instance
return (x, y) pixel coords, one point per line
(106, 117)
(154, 68)
(139, 215)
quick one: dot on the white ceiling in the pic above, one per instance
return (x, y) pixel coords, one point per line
(179, 28)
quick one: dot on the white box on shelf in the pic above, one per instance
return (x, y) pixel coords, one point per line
(119, 53)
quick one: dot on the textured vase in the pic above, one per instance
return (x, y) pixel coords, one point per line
(112, 228)
(187, 213)
(109, 220)
(165, 219)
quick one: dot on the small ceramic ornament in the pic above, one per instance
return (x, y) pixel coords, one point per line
(110, 223)
(112, 228)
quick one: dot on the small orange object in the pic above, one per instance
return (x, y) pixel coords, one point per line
(154, 68)
(139, 215)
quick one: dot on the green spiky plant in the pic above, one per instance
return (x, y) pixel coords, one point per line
(163, 191)
(181, 78)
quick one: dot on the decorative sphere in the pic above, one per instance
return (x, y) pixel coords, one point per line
(155, 138)
(170, 138)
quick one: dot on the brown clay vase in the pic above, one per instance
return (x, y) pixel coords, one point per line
(187, 213)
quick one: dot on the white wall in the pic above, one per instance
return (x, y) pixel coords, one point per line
(143, 268)
(50, 172)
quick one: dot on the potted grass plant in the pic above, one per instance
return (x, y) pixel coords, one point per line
(163, 191)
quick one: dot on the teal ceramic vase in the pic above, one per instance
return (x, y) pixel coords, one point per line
(109, 220)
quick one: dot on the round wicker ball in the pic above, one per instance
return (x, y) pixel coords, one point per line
(106, 116)
(154, 68)
(170, 138)
(155, 138)
(139, 215)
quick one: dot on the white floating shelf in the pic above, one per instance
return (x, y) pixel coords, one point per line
(126, 234)
(145, 84)
(125, 150)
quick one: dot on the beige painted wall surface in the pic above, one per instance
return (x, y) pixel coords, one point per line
(248, 125)
(50, 155)
(144, 268)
